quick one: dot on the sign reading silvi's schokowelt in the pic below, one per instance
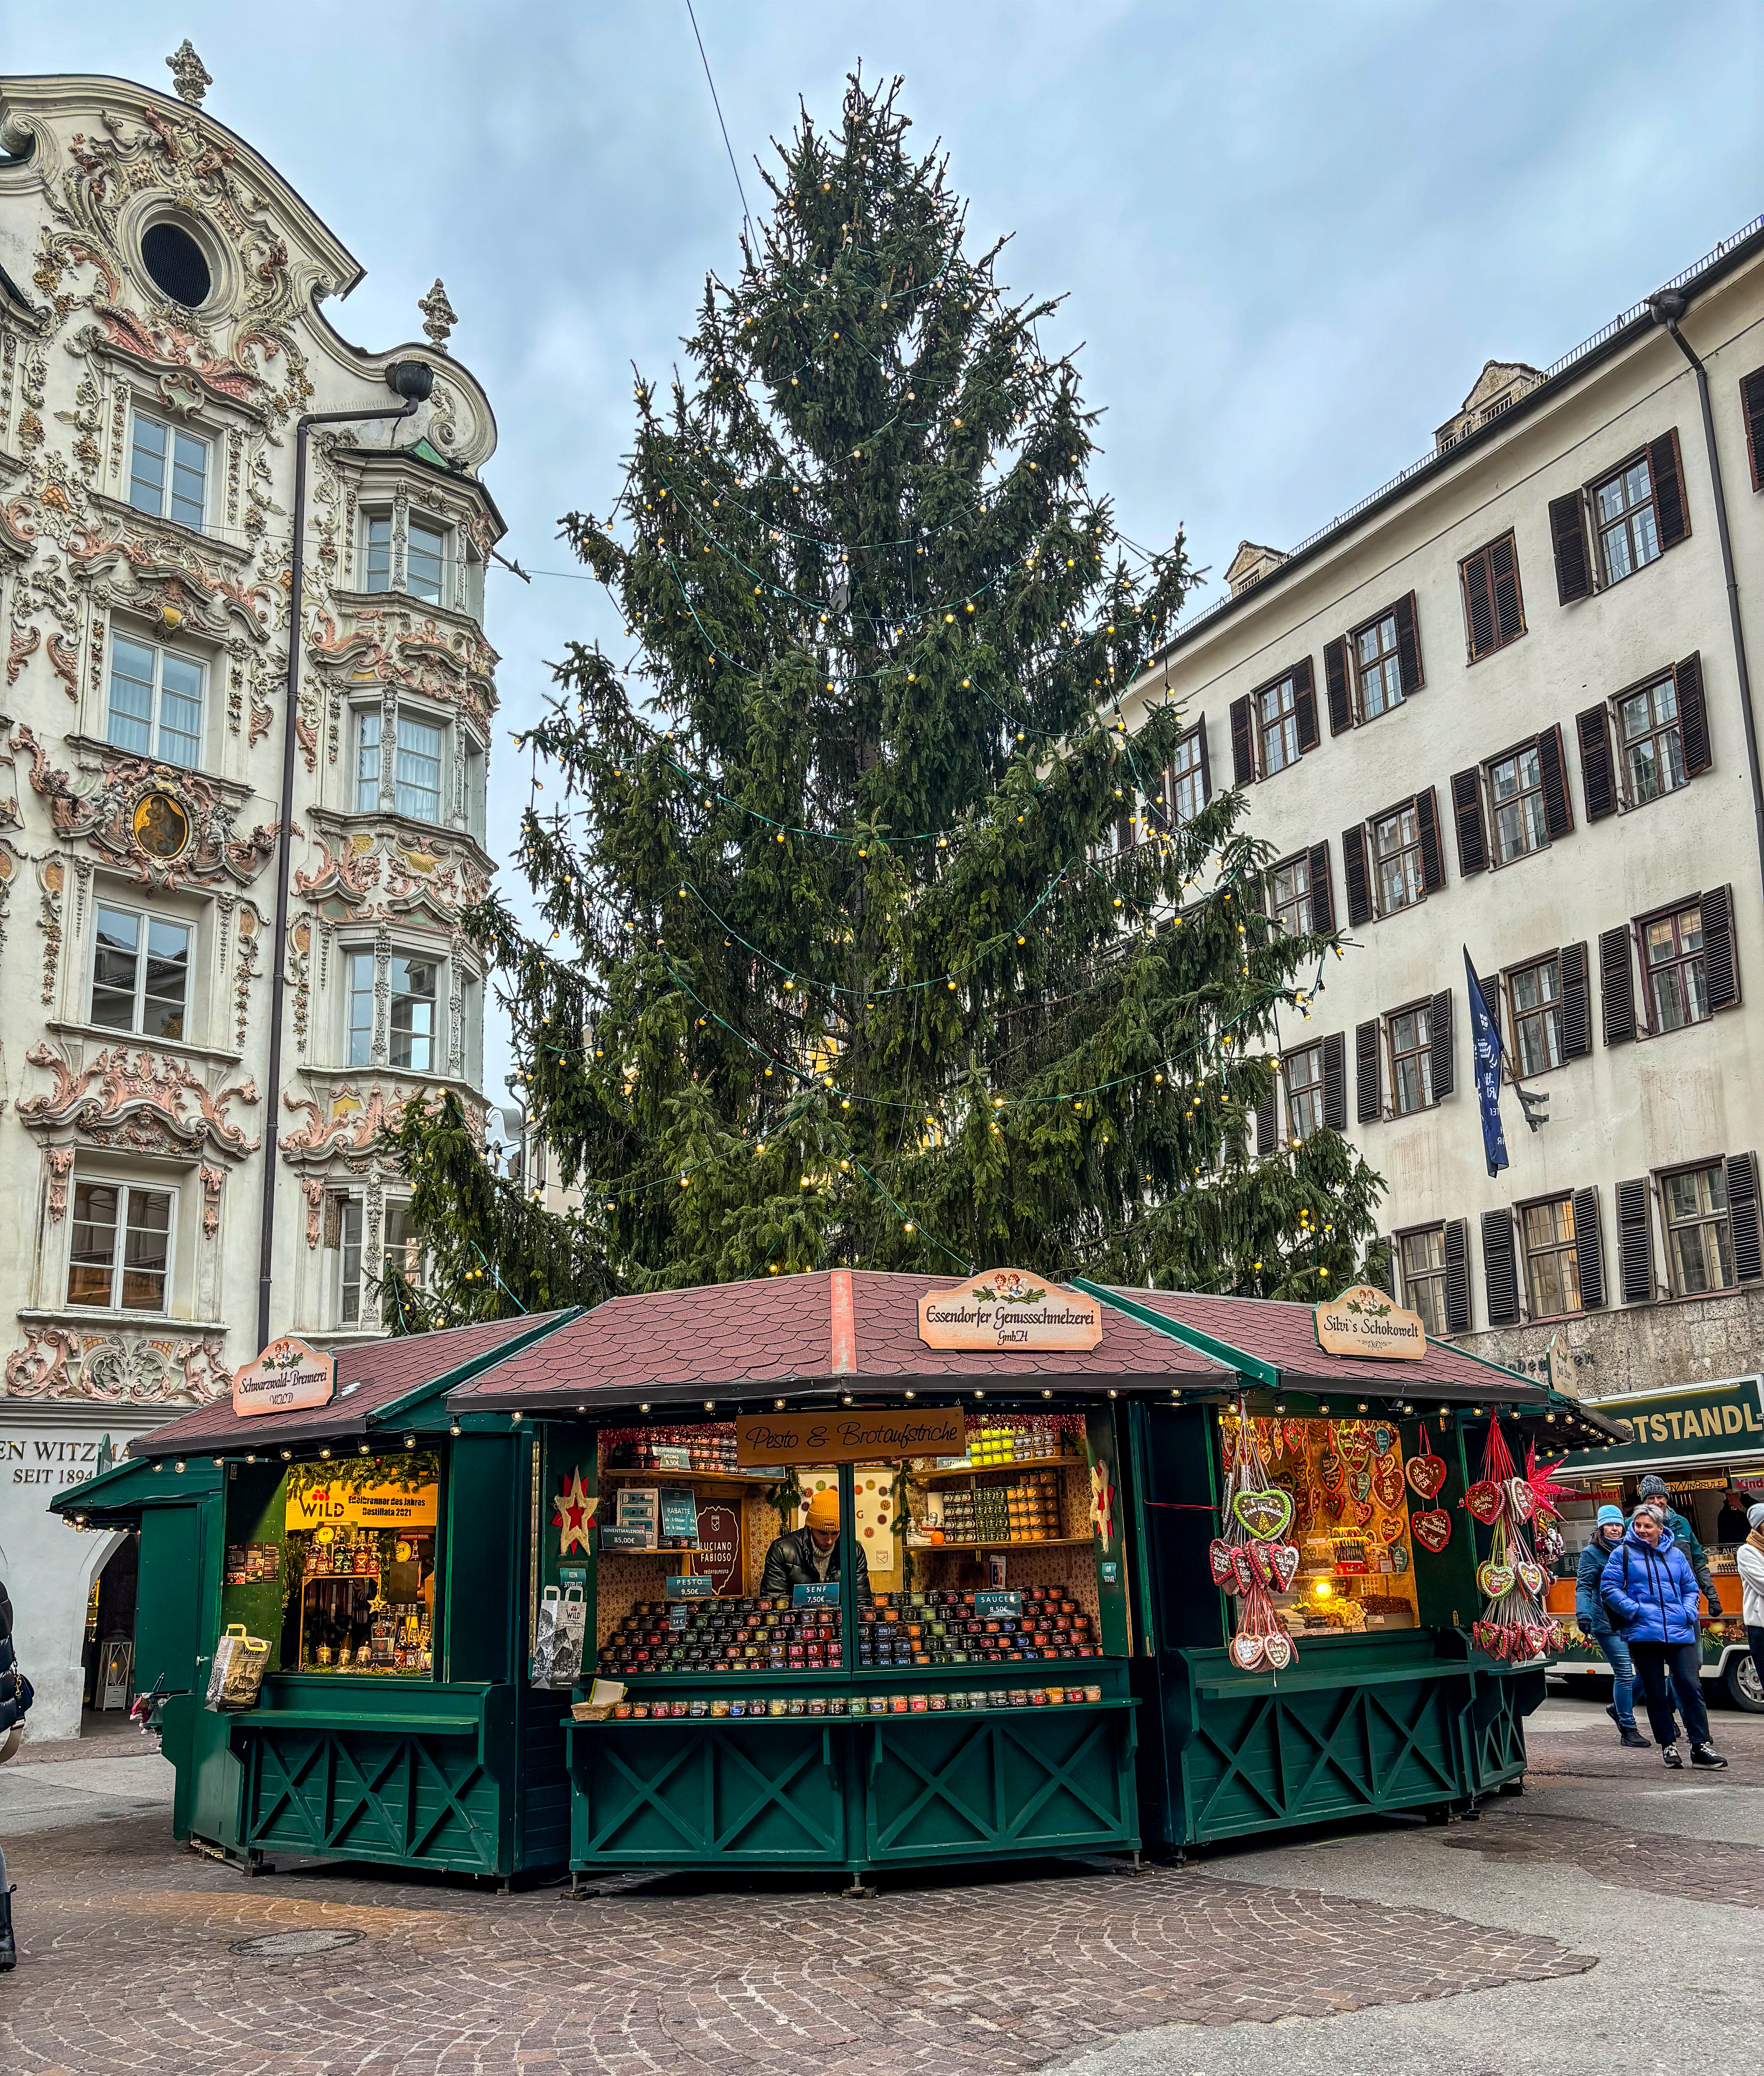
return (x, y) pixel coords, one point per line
(1365, 1321)
(288, 1375)
(1007, 1308)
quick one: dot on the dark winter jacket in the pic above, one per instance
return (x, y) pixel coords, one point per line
(1590, 1610)
(790, 1562)
(1651, 1592)
(14, 1699)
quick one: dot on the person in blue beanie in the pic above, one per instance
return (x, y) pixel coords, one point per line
(1655, 1604)
(1595, 1619)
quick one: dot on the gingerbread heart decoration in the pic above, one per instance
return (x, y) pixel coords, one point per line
(1432, 1529)
(1283, 1556)
(1356, 1448)
(1265, 1513)
(1383, 1439)
(1243, 1572)
(1495, 1579)
(1531, 1576)
(1335, 1499)
(1521, 1498)
(1292, 1434)
(1328, 1469)
(1388, 1481)
(1425, 1475)
(1260, 1564)
(1483, 1500)
(1277, 1649)
(1247, 1652)
(1399, 1558)
(1390, 1530)
(1362, 1511)
(1219, 1556)
(1360, 1484)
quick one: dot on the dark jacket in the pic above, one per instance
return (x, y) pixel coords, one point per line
(1732, 1527)
(1590, 1611)
(14, 1697)
(790, 1562)
(1651, 1592)
(1690, 1547)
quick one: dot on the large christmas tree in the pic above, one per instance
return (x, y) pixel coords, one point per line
(870, 938)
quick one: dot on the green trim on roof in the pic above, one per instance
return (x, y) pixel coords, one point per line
(450, 1381)
(1246, 1364)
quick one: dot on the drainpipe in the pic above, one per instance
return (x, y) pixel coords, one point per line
(413, 380)
(1668, 307)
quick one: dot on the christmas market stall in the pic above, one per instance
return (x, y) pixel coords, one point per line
(851, 1570)
(328, 1616)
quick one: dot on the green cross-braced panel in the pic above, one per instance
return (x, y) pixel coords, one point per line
(415, 1800)
(768, 1792)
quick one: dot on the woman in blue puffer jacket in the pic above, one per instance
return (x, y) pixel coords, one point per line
(1656, 1606)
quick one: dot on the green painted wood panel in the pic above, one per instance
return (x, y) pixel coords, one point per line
(704, 1794)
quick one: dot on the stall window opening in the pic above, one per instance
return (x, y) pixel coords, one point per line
(361, 1566)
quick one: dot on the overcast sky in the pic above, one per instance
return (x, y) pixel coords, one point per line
(1290, 236)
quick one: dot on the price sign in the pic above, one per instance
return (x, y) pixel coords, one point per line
(690, 1588)
(614, 1538)
(998, 1607)
(817, 1593)
(672, 1456)
(679, 1514)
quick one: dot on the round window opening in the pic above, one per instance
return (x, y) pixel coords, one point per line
(176, 262)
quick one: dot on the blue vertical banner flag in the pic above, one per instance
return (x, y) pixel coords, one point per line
(1485, 1043)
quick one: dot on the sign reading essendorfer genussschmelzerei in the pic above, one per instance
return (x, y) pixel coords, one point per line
(1008, 1308)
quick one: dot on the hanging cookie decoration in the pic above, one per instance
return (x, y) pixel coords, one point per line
(1249, 1559)
(1515, 1625)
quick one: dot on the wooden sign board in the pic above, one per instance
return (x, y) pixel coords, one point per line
(285, 1377)
(1008, 1308)
(764, 1439)
(1365, 1321)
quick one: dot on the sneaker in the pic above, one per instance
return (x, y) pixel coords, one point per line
(1706, 1755)
(1633, 1738)
(1672, 1755)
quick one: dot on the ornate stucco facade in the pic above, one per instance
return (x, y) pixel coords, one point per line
(162, 330)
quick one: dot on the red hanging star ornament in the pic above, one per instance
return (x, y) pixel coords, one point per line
(572, 1511)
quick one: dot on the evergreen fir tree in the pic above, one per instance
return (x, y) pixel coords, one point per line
(871, 939)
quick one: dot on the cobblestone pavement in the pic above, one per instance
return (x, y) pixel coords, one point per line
(139, 1956)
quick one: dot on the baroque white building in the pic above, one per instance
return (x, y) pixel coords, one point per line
(162, 334)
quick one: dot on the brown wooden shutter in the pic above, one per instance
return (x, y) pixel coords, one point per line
(1568, 536)
(1752, 403)
(1242, 743)
(1742, 1212)
(1693, 714)
(1479, 605)
(1341, 703)
(1509, 602)
(1577, 1003)
(1367, 1108)
(1500, 1268)
(1335, 1082)
(1440, 1048)
(1720, 965)
(1671, 508)
(1385, 1279)
(1432, 859)
(1598, 774)
(1305, 704)
(1355, 877)
(1267, 1137)
(1472, 831)
(1588, 1249)
(1617, 986)
(1553, 768)
(1457, 1276)
(1635, 1243)
(1322, 901)
(1409, 643)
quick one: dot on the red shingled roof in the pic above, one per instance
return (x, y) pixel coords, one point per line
(740, 1338)
(370, 1375)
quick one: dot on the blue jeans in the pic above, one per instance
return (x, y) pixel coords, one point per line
(1622, 1675)
(1667, 1669)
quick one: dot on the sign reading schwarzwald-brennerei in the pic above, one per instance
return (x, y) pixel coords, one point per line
(287, 1375)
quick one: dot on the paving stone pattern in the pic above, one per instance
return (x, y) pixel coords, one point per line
(1711, 1873)
(143, 1957)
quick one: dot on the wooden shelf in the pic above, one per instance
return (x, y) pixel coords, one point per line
(694, 1477)
(1016, 1464)
(1006, 1543)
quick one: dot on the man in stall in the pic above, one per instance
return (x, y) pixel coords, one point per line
(810, 1553)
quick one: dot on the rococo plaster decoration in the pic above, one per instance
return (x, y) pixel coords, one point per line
(353, 1126)
(115, 1369)
(130, 1098)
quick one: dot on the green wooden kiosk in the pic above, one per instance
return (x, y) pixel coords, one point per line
(1032, 1476)
(380, 1550)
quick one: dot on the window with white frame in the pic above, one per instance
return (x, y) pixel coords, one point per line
(168, 471)
(140, 973)
(361, 1008)
(156, 702)
(419, 762)
(399, 1253)
(120, 1258)
(425, 558)
(414, 1004)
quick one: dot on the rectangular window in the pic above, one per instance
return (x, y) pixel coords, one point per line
(418, 777)
(1378, 668)
(1516, 794)
(1623, 511)
(361, 1008)
(1276, 720)
(1698, 1239)
(1534, 1014)
(1672, 955)
(349, 1261)
(1411, 1059)
(1422, 1256)
(367, 735)
(379, 555)
(156, 702)
(168, 472)
(1652, 743)
(122, 1245)
(425, 548)
(1304, 1071)
(413, 1003)
(1293, 895)
(140, 973)
(1396, 858)
(400, 1254)
(1552, 1265)
(1187, 778)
